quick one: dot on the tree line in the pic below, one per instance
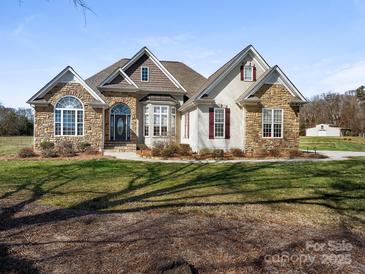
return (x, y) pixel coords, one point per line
(15, 122)
(342, 110)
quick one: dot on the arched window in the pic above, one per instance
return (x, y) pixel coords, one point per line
(69, 117)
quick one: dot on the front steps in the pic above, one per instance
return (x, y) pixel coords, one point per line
(120, 147)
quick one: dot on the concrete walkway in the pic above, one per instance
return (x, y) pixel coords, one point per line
(332, 156)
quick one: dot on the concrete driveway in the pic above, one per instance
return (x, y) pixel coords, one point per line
(332, 156)
(341, 155)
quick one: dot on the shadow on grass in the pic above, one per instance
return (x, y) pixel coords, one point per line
(147, 186)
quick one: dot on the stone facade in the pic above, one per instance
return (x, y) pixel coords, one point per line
(114, 98)
(272, 96)
(44, 118)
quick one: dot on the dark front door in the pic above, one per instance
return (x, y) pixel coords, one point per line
(121, 127)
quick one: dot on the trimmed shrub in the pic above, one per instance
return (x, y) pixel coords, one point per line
(237, 152)
(46, 145)
(205, 152)
(218, 153)
(49, 153)
(185, 150)
(157, 148)
(274, 152)
(168, 151)
(48, 149)
(141, 147)
(66, 149)
(83, 146)
(26, 152)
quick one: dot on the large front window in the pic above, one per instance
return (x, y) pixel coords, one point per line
(272, 123)
(69, 117)
(160, 120)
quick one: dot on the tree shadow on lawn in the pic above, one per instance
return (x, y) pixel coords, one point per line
(150, 186)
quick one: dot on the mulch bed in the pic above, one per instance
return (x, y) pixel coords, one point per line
(45, 239)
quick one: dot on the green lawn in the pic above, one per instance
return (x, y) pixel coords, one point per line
(11, 145)
(336, 188)
(333, 143)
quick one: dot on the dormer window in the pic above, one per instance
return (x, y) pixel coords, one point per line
(145, 74)
(248, 73)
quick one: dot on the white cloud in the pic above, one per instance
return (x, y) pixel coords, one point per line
(349, 76)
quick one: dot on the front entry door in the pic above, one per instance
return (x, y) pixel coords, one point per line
(121, 127)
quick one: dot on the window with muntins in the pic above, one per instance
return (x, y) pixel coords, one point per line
(69, 117)
(160, 120)
(145, 74)
(248, 73)
(272, 123)
(146, 121)
(219, 122)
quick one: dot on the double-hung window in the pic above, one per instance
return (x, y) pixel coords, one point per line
(160, 120)
(248, 73)
(146, 120)
(219, 118)
(272, 123)
(145, 74)
(69, 117)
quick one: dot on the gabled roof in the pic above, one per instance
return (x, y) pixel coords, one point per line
(187, 77)
(57, 79)
(117, 72)
(223, 71)
(265, 79)
(146, 51)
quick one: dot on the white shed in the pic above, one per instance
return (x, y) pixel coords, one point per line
(324, 130)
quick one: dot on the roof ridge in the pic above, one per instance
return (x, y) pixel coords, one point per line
(108, 67)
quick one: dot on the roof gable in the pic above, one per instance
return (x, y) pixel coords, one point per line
(273, 76)
(146, 51)
(67, 75)
(115, 74)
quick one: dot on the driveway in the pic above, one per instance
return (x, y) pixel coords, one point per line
(332, 156)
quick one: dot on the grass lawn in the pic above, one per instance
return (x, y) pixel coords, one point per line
(127, 217)
(333, 143)
(11, 145)
(335, 188)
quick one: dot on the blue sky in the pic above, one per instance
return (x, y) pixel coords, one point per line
(320, 45)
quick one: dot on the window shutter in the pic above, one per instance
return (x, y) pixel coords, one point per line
(241, 73)
(254, 73)
(211, 123)
(228, 124)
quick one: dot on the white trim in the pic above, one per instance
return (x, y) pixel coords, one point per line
(224, 124)
(286, 82)
(57, 78)
(76, 113)
(112, 76)
(145, 50)
(272, 123)
(148, 73)
(244, 74)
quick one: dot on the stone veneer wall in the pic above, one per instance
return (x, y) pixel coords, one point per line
(272, 96)
(44, 118)
(113, 98)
